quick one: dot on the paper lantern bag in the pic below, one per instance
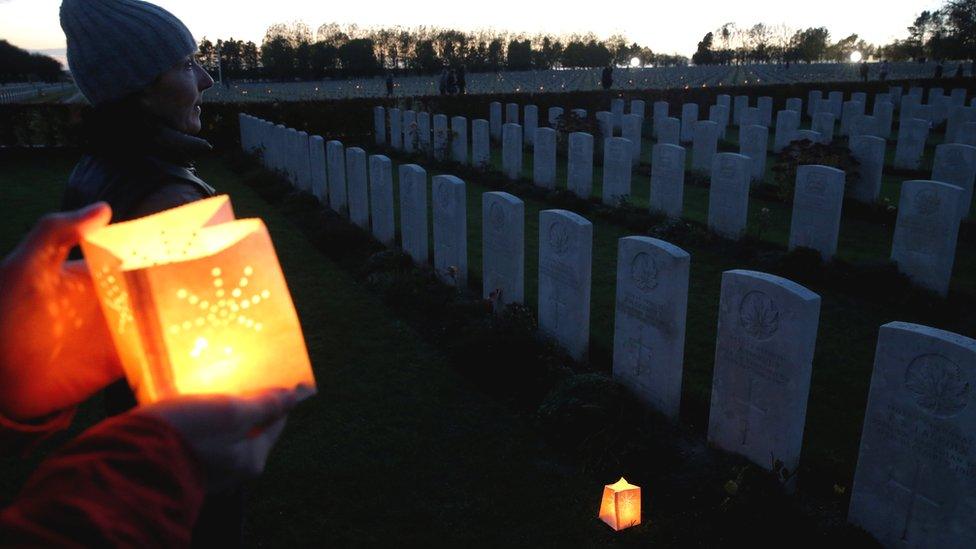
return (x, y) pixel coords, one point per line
(197, 304)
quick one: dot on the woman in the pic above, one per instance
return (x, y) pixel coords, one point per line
(135, 64)
(140, 135)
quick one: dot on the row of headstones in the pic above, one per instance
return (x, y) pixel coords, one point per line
(925, 251)
(767, 332)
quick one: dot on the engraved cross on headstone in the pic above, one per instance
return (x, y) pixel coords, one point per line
(641, 350)
(914, 494)
(557, 307)
(750, 407)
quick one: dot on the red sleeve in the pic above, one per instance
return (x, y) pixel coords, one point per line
(21, 438)
(128, 481)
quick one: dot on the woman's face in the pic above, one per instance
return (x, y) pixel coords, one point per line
(176, 95)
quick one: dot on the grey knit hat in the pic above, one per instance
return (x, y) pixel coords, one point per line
(117, 47)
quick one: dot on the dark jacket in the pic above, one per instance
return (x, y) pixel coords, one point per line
(138, 181)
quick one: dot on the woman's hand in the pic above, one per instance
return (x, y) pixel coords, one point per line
(230, 436)
(55, 348)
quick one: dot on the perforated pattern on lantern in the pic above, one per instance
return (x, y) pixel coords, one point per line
(221, 308)
(115, 298)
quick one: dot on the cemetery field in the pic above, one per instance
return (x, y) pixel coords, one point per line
(847, 332)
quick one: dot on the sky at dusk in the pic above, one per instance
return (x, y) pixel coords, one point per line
(671, 27)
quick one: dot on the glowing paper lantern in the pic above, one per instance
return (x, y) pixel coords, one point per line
(621, 505)
(197, 303)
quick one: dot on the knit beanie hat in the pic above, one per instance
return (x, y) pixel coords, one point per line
(117, 47)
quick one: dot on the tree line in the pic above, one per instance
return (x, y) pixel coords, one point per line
(946, 33)
(293, 51)
(19, 65)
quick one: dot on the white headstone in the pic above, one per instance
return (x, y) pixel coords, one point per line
(411, 139)
(851, 110)
(565, 259)
(794, 104)
(813, 102)
(617, 106)
(440, 137)
(531, 122)
(869, 151)
(767, 332)
(740, 105)
(512, 151)
(689, 116)
(728, 196)
(495, 119)
(669, 132)
(631, 130)
(807, 135)
(787, 124)
(924, 244)
(358, 189)
(511, 113)
(396, 129)
(959, 116)
(823, 123)
(638, 107)
(480, 144)
(817, 201)
(766, 111)
(579, 175)
(751, 116)
(753, 142)
(705, 145)
(667, 179)
(955, 164)
(914, 485)
(316, 157)
(660, 114)
(379, 125)
(649, 320)
(720, 115)
(884, 112)
(503, 247)
(544, 158)
(616, 170)
(459, 139)
(912, 134)
(836, 102)
(554, 114)
(336, 158)
(423, 131)
(413, 212)
(381, 199)
(449, 203)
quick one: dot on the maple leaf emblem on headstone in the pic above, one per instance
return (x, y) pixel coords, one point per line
(938, 385)
(758, 315)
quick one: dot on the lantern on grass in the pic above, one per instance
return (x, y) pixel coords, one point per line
(197, 304)
(621, 505)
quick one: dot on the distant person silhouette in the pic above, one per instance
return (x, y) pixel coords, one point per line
(452, 88)
(389, 84)
(938, 70)
(958, 71)
(443, 82)
(461, 80)
(865, 71)
(883, 75)
(606, 79)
